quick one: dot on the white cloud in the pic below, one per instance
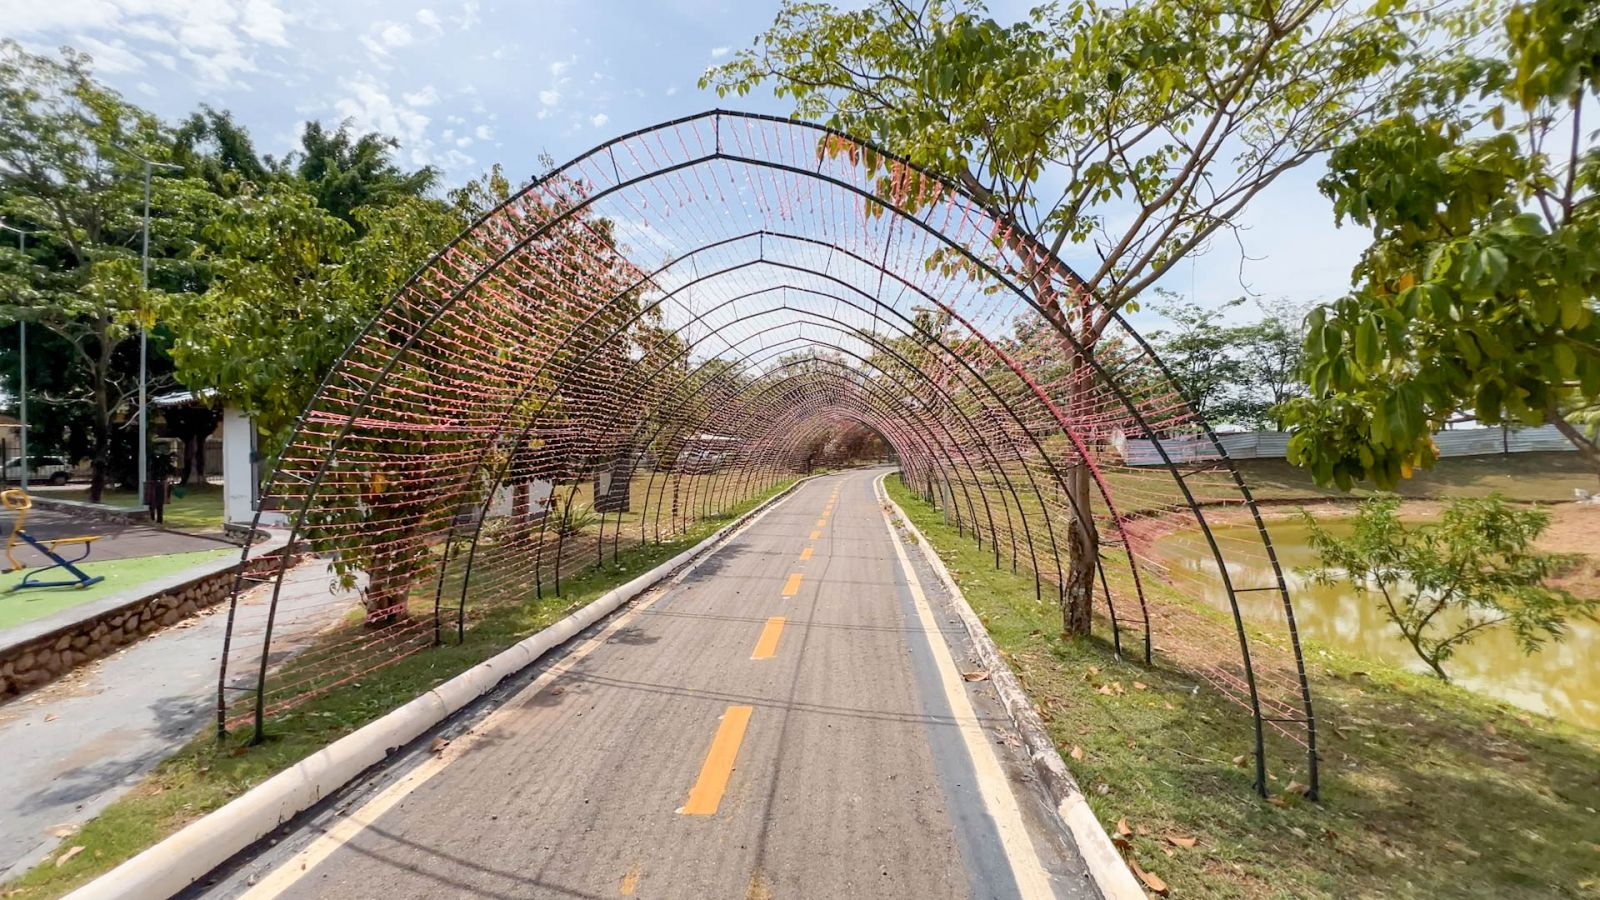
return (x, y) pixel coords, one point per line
(369, 106)
(484, 133)
(559, 67)
(112, 58)
(425, 97)
(599, 119)
(469, 15)
(386, 36)
(464, 141)
(550, 97)
(672, 90)
(429, 19)
(216, 41)
(717, 52)
(264, 22)
(455, 159)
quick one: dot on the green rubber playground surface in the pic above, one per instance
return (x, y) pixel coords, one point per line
(120, 575)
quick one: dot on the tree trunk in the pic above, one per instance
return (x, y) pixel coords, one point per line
(100, 442)
(199, 460)
(1585, 447)
(1083, 556)
(394, 567)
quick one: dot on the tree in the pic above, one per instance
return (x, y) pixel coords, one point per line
(1142, 128)
(68, 174)
(1204, 356)
(1273, 354)
(1480, 288)
(1447, 584)
(347, 172)
(292, 286)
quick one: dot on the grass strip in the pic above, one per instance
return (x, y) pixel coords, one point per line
(1428, 790)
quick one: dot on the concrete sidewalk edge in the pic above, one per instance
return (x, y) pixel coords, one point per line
(188, 855)
(1106, 866)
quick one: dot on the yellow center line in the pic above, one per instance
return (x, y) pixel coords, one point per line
(806, 554)
(821, 522)
(630, 882)
(792, 586)
(816, 534)
(767, 644)
(706, 795)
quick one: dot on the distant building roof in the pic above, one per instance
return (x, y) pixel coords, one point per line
(182, 398)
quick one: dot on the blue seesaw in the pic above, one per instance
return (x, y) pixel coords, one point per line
(19, 502)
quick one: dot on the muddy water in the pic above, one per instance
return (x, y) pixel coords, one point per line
(1561, 680)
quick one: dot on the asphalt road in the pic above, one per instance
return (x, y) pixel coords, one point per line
(789, 720)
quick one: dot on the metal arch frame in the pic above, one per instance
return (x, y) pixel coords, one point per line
(964, 365)
(418, 329)
(621, 328)
(1023, 376)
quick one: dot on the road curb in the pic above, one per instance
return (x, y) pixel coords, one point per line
(1111, 874)
(194, 851)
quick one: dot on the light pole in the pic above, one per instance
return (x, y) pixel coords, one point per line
(144, 335)
(22, 365)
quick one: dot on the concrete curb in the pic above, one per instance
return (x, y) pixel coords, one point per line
(1110, 873)
(206, 843)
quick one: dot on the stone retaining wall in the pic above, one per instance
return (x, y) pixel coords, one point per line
(47, 657)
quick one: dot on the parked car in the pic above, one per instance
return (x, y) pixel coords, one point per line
(53, 469)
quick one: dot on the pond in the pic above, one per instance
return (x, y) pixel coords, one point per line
(1561, 680)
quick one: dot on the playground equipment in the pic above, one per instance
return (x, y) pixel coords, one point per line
(19, 502)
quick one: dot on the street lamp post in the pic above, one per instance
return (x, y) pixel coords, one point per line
(144, 335)
(22, 366)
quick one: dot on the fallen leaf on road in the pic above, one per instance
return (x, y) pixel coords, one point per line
(1179, 840)
(51, 717)
(1077, 752)
(1239, 760)
(62, 831)
(438, 745)
(1122, 827)
(1140, 686)
(62, 859)
(975, 676)
(1296, 787)
(1276, 801)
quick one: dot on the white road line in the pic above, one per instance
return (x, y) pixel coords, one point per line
(296, 867)
(1032, 879)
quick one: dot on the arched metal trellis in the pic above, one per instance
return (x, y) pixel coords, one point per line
(660, 330)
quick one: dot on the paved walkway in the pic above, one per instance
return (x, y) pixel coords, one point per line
(71, 748)
(790, 720)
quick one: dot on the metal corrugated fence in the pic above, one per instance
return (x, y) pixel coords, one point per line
(1275, 444)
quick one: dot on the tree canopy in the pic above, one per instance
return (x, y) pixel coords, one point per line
(262, 269)
(1479, 291)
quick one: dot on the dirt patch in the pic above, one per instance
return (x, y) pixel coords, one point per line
(1572, 530)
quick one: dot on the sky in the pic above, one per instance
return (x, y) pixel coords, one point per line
(467, 83)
